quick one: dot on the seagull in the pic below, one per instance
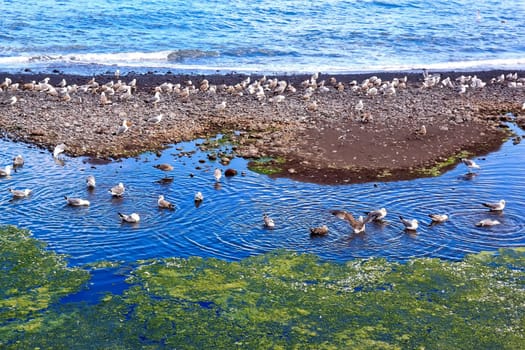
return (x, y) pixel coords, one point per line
(410, 225)
(104, 100)
(357, 225)
(11, 101)
(155, 119)
(155, 99)
(319, 231)
(6, 171)
(118, 190)
(20, 193)
(59, 149)
(18, 161)
(90, 182)
(437, 218)
(497, 206)
(470, 163)
(487, 223)
(376, 215)
(268, 221)
(164, 204)
(217, 174)
(123, 128)
(198, 197)
(164, 167)
(221, 106)
(421, 131)
(76, 202)
(131, 218)
(359, 106)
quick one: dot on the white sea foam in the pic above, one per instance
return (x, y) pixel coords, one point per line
(143, 61)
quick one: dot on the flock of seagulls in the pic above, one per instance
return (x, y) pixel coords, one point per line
(411, 225)
(271, 90)
(358, 225)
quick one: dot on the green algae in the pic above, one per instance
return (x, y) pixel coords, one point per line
(440, 167)
(277, 300)
(267, 166)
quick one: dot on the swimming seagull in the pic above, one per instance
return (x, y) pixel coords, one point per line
(59, 149)
(118, 190)
(268, 221)
(497, 206)
(217, 174)
(164, 204)
(198, 197)
(6, 171)
(90, 182)
(20, 193)
(18, 161)
(131, 218)
(319, 231)
(376, 215)
(437, 218)
(358, 225)
(470, 163)
(487, 223)
(410, 225)
(164, 167)
(76, 202)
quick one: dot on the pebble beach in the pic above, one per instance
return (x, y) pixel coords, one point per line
(322, 128)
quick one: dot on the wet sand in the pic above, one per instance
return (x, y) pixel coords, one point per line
(315, 131)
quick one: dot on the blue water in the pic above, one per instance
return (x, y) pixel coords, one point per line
(260, 36)
(228, 224)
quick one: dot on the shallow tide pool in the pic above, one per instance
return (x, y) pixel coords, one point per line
(228, 224)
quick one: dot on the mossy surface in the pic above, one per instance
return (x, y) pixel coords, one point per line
(277, 300)
(440, 167)
(267, 166)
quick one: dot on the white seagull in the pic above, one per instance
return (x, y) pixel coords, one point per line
(18, 161)
(497, 206)
(268, 221)
(198, 197)
(410, 225)
(155, 120)
(437, 218)
(217, 174)
(59, 149)
(131, 218)
(470, 163)
(90, 182)
(6, 171)
(118, 190)
(376, 215)
(20, 193)
(487, 223)
(76, 202)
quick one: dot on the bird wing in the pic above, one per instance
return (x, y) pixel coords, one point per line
(341, 214)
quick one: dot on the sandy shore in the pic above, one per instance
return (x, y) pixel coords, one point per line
(316, 130)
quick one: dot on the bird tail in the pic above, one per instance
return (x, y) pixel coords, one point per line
(121, 215)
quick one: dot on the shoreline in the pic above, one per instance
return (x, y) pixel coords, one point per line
(315, 132)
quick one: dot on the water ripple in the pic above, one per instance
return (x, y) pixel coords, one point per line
(228, 223)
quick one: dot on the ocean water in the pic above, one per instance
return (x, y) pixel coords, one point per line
(329, 36)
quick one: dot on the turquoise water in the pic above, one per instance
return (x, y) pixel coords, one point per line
(330, 36)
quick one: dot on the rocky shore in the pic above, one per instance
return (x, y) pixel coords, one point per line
(326, 129)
